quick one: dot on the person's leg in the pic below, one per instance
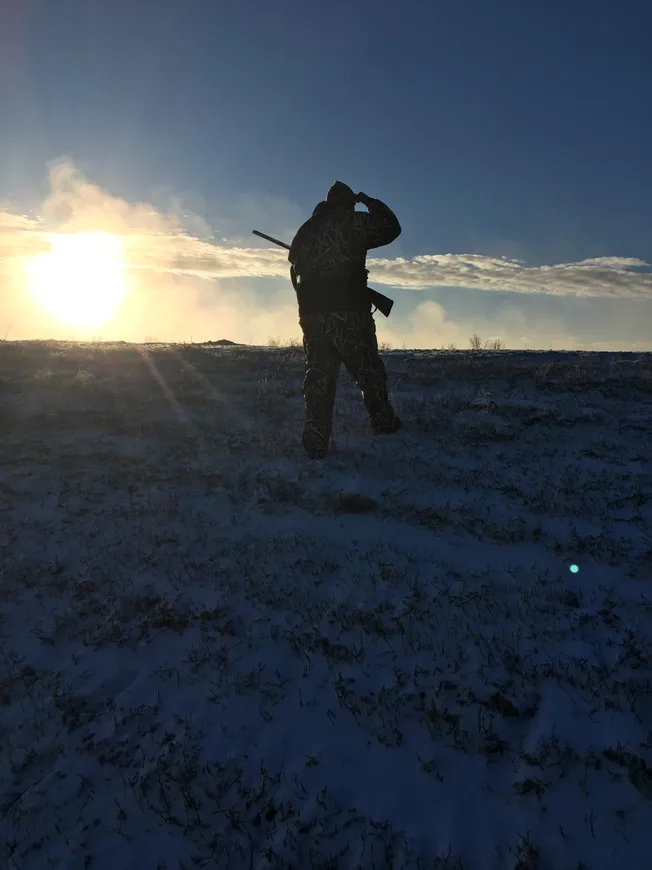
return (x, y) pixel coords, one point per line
(319, 386)
(353, 333)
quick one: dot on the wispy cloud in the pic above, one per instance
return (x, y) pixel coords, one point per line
(169, 298)
(597, 277)
(160, 243)
(172, 268)
(605, 277)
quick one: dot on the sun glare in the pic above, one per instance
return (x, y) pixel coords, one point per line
(81, 281)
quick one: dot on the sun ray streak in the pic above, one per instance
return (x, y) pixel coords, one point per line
(225, 410)
(180, 414)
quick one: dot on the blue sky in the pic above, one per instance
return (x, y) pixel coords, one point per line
(507, 129)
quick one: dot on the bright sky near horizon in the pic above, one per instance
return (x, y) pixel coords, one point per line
(513, 141)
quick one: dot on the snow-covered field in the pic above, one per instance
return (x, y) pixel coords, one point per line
(215, 653)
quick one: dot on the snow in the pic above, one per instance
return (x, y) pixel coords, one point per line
(214, 652)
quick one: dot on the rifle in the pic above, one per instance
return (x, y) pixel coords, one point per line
(382, 303)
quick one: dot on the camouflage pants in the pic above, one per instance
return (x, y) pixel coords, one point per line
(329, 339)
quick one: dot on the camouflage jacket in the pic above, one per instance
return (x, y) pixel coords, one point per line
(328, 256)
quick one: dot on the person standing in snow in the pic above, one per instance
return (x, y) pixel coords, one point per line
(328, 272)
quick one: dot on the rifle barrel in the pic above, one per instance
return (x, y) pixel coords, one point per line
(271, 239)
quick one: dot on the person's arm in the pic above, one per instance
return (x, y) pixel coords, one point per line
(297, 244)
(381, 225)
(293, 278)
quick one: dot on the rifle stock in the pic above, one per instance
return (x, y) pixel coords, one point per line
(383, 303)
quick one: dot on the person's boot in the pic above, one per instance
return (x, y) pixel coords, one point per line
(389, 428)
(314, 444)
(383, 419)
(392, 427)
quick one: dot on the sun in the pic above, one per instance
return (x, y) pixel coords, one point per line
(81, 281)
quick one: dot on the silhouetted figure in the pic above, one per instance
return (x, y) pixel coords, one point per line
(328, 272)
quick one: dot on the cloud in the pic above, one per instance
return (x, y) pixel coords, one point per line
(161, 243)
(598, 277)
(19, 237)
(76, 204)
(166, 265)
(18, 222)
(428, 325)
(605, 277)
(175, 255)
